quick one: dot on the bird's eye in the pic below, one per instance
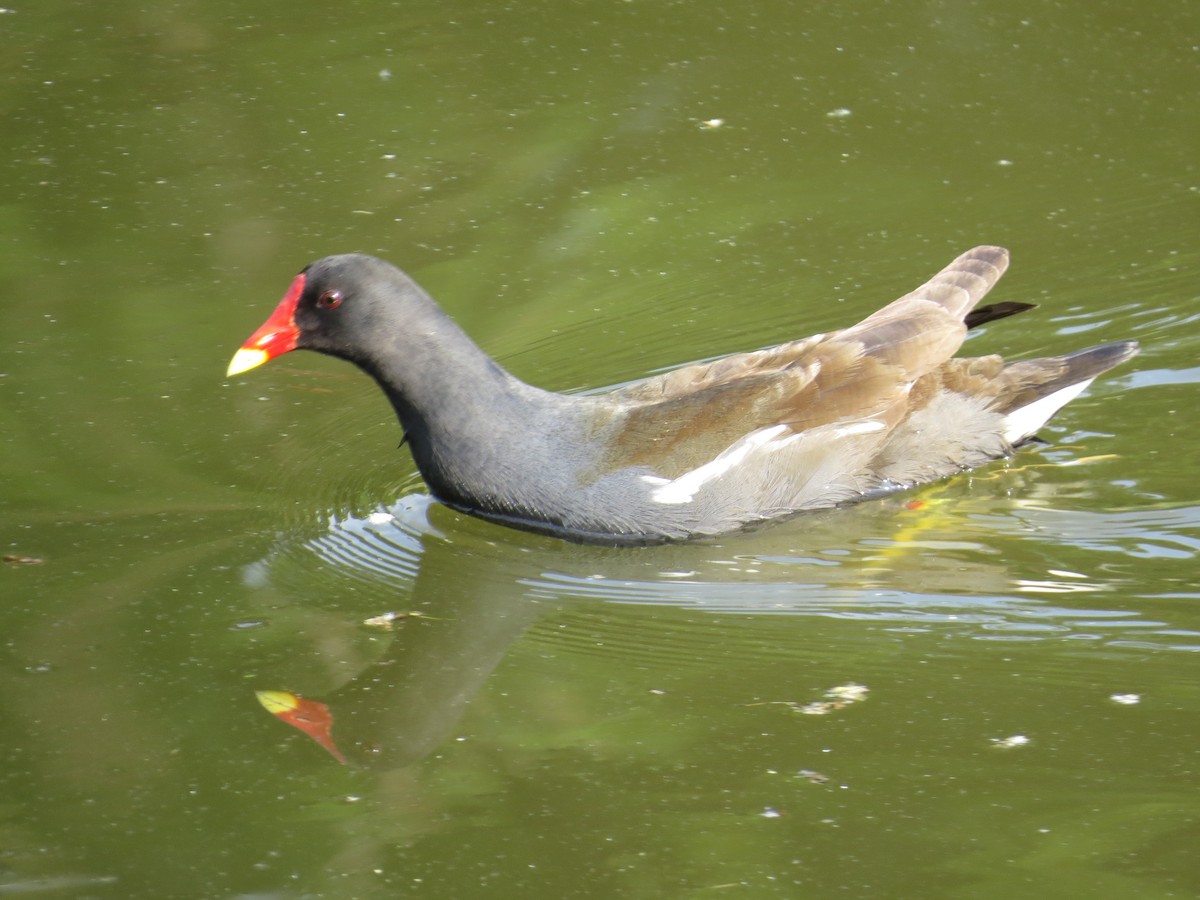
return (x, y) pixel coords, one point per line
(330, 300)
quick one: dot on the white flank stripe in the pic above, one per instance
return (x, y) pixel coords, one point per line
(1024, 422)
(864, 427)
(683, 489)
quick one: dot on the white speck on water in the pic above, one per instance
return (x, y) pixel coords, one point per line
(1126, 699)
(1017, 740)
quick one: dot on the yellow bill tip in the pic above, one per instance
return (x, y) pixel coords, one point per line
(245, 360)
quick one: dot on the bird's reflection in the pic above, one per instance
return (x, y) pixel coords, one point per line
(475, 588)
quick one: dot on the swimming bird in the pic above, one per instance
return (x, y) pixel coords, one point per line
(705, 449)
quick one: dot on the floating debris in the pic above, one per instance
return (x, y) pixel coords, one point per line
(814, 777)
(848, 693)
(387, 621)
(835, 698)
(1126, 699)
(711, 124)
(14, 560)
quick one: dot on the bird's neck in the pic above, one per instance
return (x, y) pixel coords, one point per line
(467, 419)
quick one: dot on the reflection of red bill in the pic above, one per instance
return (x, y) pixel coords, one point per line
(311, 717)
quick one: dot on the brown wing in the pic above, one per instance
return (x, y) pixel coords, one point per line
(686, 417)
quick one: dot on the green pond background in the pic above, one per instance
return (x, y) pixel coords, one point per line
(596, 191)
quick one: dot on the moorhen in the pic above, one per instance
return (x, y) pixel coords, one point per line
(701, 450)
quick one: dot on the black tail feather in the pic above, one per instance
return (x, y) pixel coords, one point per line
(994, 311)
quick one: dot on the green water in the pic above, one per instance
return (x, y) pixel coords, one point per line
(567, 721)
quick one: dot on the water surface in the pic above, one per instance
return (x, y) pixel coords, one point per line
(596, 192)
